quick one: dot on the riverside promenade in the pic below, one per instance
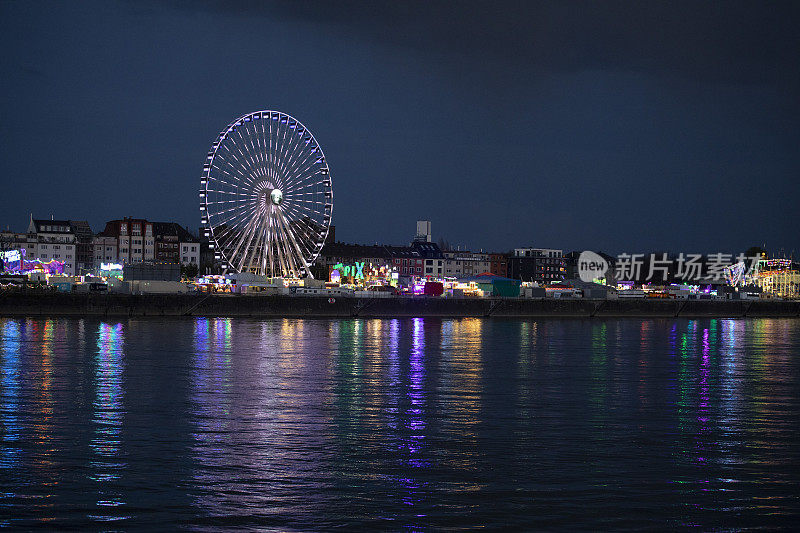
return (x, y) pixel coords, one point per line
(227, 305)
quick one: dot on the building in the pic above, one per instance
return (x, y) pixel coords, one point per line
(49, 240)
(151, 272)
(421, 259)
(406, 260)
(433, 259)
(572, 271)
(542, 265)
(174, 244)
(461, 264)
(136, 240)
(105, 249)
(133, 238)
(350, 263)
(498, 264)
(423, 231)
(84, 246)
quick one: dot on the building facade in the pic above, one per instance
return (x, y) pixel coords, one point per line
(541, 265)
(465, 264)
(105, 250)
(420, 259)
(49, 240)
(174, 244)
(134, 239)
(84, 246)
(498, 264)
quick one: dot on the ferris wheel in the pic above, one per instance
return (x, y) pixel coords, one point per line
(266, 198)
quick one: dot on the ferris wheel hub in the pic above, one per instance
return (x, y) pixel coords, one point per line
(276, 196)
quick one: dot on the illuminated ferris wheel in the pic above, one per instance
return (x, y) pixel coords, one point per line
(266, 198)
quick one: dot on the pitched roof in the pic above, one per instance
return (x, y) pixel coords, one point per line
(173, 229)
(340, 249)
(52, 226)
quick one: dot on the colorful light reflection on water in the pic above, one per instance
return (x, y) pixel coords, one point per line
(216, 423)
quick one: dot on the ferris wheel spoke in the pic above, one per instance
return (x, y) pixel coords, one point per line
(251, 248)
(299, 159)
(279, 138)
(249, 155)
(252, 232)
(304, 239)
(240, 168)
(280, 248)
(297, 208)
(227, 229)
(303, 160)
(284, 249)
(293, 149)
(313, 177)
(290, 248)
(293, 152)
(267, 142)
(254, 141)
(239, 145)
(245, 234)
(259, 246)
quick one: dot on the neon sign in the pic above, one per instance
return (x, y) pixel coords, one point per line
(110, 266)
(356, 271)
(11, 255)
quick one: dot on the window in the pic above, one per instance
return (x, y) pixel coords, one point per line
(185, 249)
(44, 247)
(185, 259)
(44, 256)
(194, 248)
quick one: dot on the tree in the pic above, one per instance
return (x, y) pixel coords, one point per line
(754, 251)
(189, 271)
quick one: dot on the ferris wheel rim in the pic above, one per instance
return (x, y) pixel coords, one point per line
(300, 254)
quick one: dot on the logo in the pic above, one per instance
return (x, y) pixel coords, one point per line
(591, 266)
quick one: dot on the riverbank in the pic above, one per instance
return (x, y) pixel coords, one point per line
(119, 305)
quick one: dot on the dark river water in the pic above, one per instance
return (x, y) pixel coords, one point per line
(413, 424)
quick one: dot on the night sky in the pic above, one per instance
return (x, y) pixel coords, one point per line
(630, 126)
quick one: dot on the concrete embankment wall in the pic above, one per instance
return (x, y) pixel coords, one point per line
(58, 304)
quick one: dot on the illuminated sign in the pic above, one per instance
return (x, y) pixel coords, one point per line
(356, 271)
(11, 255)
(110, 266)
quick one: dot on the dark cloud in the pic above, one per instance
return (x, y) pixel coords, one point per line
(616, 125)
(742, 42)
